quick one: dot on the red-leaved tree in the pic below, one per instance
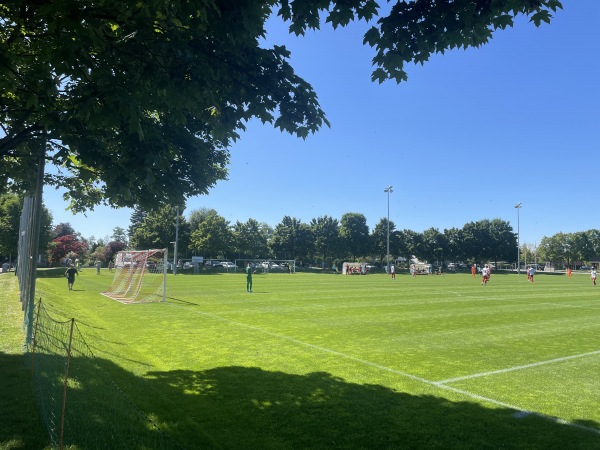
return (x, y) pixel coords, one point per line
(60, 247)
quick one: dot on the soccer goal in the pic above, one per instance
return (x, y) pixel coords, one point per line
(266, 266)
(140, 276)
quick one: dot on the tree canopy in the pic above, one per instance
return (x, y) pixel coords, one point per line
(10, 220)
(136, 103)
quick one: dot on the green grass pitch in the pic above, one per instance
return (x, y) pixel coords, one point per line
(334, 361)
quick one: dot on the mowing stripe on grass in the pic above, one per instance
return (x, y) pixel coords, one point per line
(558, 305)
(306, 344)
(437, 384)
(512, 369)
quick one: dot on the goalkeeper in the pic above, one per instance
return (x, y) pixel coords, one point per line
(249, 278)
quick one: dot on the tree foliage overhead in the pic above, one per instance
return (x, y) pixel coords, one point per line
(139, 101)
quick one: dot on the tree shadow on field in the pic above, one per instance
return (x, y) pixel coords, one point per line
(20, 424)
(250, 408)
(54, 272)
(241, 408)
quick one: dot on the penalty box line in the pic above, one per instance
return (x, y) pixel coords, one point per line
(436, 384)
(515, 368)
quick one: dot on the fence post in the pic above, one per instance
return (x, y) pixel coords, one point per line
(64, 403)
(35, 330)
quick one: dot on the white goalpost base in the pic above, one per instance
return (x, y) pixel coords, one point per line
(140, 276)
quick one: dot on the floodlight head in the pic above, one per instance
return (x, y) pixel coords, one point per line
(388, 189)
(518, 205)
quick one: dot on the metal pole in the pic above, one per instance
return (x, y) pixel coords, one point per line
(65, 385)
(518, 206)
(388, 190)
(165, 264)
(176, 239)
(36, 221)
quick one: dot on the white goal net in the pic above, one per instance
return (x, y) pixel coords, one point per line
(140, 276)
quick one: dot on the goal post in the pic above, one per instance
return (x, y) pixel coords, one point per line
(140, 276)
(268, 265)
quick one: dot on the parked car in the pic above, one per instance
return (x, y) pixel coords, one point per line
(228, 265)
(188, 265)
(585, 268)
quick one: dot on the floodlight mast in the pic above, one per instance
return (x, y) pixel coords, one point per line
(389, 190)
(175, 256)
(518, 207)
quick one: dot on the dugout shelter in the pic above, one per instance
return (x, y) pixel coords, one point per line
(355, 268)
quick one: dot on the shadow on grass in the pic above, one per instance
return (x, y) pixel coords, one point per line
(20, 423)
(239, 407)
(55, 272)
(250, 408)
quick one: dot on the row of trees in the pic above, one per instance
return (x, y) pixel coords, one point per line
(325, 238)
(567, 249)
(69, 244)
(10, 220)
(205, 232)
(57, 242)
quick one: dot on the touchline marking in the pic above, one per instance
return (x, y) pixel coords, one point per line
(437, 384)
(512, 369)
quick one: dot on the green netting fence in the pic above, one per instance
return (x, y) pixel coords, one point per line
(81, 404)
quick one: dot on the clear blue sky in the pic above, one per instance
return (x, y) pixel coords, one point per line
(467, 137)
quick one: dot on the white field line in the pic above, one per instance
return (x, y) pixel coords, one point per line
(512, 369)
(437, 384)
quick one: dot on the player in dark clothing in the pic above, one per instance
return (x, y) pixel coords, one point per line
(70, 274)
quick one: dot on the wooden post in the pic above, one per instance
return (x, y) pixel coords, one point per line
(66, 382)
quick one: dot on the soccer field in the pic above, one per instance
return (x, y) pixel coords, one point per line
(333, 361)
